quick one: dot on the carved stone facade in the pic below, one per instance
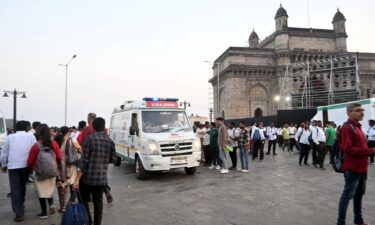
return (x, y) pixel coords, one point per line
(250, 77)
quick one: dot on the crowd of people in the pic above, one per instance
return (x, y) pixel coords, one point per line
(250, 140)
(63, 159)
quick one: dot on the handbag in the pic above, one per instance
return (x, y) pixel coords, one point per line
(75, 213)
(72, 156)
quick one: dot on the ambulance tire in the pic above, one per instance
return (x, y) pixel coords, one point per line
(140, 171)
(191, 170)
(117, 161)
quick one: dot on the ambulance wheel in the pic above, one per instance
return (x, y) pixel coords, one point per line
(117, 161)
(140, 171)
(191, 170)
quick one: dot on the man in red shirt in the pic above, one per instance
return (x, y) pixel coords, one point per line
(87, 131)
(352, 142)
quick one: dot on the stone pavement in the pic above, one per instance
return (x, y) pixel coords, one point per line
(275, 191)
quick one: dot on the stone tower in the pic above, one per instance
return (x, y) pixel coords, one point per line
(338, 22)
(253, 40)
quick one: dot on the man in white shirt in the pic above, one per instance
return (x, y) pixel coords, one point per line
(14, 160)
(233, 135)
(271, 135)
(370, 134)
(206, 145)
(314, 147)
(200, 133)
(320, 140)
(292, 133)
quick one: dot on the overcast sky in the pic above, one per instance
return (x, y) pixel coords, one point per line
(133, 49)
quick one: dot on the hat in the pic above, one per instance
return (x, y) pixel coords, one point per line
(372, 121)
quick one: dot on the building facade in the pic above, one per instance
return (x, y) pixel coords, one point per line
(291, 68)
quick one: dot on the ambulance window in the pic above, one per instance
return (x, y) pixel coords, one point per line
(134, 125)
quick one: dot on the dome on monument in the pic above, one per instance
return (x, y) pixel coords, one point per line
(338, 16)
(281, 12)
(253, 35)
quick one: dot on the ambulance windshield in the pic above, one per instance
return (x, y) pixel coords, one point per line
(164, 122)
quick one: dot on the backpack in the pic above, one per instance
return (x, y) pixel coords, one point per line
(46, 166)
(256, 136)
(338, 155)
(71, 155)
(75, 213)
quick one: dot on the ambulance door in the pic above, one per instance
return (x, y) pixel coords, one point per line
(134, 144)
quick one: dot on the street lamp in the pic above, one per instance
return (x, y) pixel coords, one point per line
(277, 98)
(218, 82)
(185, 104)
(66, 86)
(14, 93)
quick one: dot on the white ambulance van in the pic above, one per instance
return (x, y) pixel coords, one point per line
(3, 131)
(155, 135)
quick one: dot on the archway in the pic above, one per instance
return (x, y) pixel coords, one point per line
(258, 112)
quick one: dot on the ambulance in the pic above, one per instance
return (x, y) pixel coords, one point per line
(155, 135)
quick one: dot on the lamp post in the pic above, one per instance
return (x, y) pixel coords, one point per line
(218, 82)
(66, 86)
(15, 93)
(185, 104)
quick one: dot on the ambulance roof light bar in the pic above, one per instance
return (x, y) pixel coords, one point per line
(149, 99)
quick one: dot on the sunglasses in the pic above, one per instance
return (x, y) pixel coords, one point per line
(358, 110)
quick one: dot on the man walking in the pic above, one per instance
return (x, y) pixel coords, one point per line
(352, 143)
(292, 132)
(272, 137)
(370, 134)
(233, 135)
(320, 140)
(14, 160)
(222, 142)
(99, 151)
(257, 136)
(331, 137)
(286, 137)
(314, 147)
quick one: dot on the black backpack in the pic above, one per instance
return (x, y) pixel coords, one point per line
(338, 155)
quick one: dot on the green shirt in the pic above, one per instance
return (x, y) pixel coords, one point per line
(214, 134)
(331, 136)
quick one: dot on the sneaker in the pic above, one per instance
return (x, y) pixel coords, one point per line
(224, 171)
(52, 209)
(244, 171)
(218, 167)
(211, 167)
(238, 169)
(42, 216)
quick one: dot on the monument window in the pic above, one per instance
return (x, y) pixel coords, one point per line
(258, 93)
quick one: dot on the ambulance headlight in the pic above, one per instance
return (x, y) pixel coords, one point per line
(197, 145)
(153, 149)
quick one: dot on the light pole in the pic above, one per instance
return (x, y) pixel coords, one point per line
(185, 104)
(66, 86)
(15, 93)
(218, 82)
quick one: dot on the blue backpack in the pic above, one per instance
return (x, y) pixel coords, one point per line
(338, 155)
(75, 213)
(256, 136)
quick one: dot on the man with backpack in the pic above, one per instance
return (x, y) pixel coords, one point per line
(257, 136)
(352, 143)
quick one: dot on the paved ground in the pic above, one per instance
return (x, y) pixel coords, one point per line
(276, 191)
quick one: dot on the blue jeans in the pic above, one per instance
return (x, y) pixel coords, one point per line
(355, 188)
(244, 158)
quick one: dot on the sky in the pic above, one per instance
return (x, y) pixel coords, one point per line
(127, 50)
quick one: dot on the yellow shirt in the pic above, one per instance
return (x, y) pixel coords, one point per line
(285, 133)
